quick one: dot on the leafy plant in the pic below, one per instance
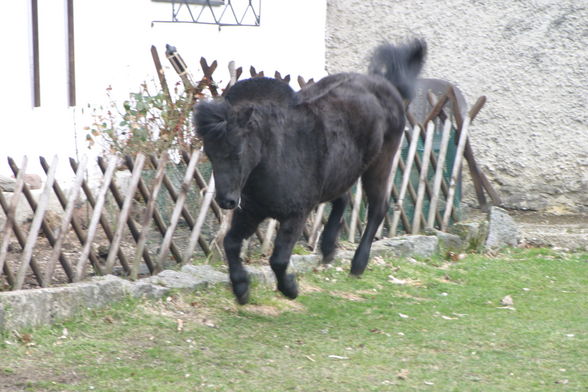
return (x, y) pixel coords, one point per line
(147, 122)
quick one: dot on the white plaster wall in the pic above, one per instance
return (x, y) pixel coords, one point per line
(528, 57)
(112, 48)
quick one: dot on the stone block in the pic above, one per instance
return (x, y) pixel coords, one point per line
(261, 274)
(304, 263)
(406, 246)
(29, 308)
(177, 280)
(502, 229)
(473, 234)
(206, 272)
(142, 289)
(448, 242)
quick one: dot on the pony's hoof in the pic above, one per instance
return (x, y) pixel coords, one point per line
(328, 259)
(243, 299)
(356, 272)
(241, 291)
(288, 286)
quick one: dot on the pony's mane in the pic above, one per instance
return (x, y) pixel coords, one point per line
(256, 90)
(210, 119)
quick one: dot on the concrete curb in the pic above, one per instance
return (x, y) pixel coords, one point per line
(36, 307)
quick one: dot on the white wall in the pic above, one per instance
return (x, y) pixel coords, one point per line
(530, 58)
(112, 48)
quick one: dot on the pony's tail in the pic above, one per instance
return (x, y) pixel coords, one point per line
(400, 65)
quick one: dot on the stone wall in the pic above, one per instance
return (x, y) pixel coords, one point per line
(528, 57)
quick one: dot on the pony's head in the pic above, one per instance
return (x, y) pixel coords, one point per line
(231, 145)
(231, 132)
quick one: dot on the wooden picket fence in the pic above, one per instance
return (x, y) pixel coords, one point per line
(157, 220)
(128, 232)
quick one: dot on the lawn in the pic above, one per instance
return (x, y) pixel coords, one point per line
(517, 321)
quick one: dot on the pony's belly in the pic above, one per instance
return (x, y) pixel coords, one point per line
(336, 187)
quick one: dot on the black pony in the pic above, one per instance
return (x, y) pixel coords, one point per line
(276, 153)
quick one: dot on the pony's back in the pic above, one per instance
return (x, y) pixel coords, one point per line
(260, 89)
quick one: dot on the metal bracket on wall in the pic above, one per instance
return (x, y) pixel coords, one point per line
(214, 12)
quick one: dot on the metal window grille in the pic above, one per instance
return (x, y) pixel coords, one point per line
(215, 12)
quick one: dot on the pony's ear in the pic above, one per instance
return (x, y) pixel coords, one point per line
(210, 118)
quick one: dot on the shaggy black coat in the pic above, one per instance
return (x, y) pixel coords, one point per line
(276, 153)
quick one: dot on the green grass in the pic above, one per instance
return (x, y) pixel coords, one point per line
(445, 329)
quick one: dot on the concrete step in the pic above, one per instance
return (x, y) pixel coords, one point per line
(561, 231)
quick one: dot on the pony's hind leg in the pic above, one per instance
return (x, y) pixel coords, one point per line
(332, 228)
(374, 182)
(288, 233)
(243, 226)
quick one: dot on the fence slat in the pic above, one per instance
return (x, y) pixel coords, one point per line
(123, 215)
(185, 213)
(195, 234)
(444, 185)
(119, 199)
(463, 137)
(63, 201)
(6, 269)
(11, 212)
(159, 223)
(456, 110)
(416, 222)
(147, 216)
(405, 179)
(96, 217)
(202, 185)
(35, 227)
(390, 181)
(44, 226)
(315, 233)
(61, 232)
(355, 211)
(269, 234)
(418, 166)
(178, 207)
(439, 175)
(410, 192)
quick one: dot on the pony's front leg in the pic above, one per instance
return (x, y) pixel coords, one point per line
(289, 232)
(243, 226)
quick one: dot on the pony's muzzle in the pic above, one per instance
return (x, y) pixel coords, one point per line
(227, 203)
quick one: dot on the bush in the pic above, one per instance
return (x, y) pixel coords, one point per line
(148, 123)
